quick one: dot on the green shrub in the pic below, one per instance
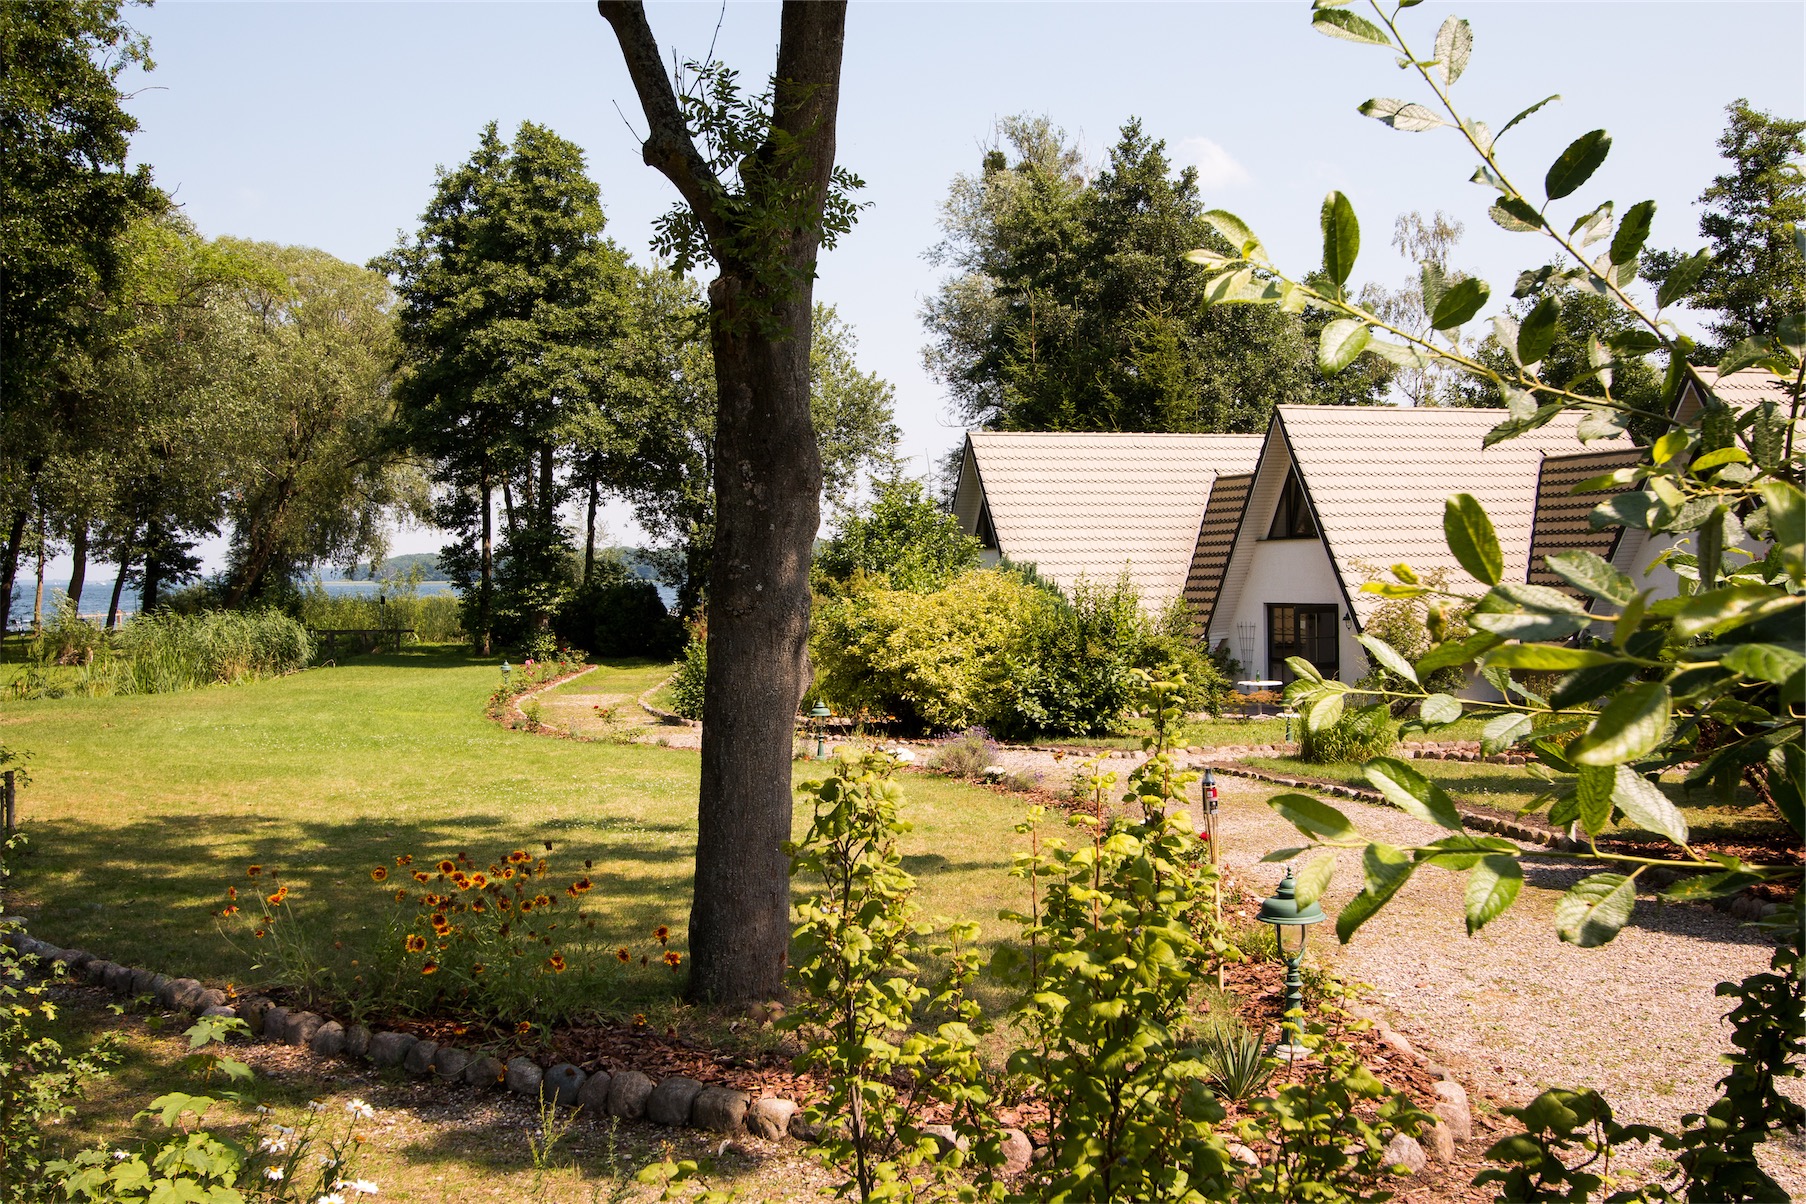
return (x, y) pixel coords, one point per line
(1360, 735)
(395, 606)
(163, 652)
(692, 674)
(620, 615)
(902, 541)
(966, 755)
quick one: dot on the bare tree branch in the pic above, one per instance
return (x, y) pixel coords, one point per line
(668, 147)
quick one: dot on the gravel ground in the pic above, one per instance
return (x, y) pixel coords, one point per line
(1514, 1010)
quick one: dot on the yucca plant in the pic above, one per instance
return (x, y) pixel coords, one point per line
(1235, 1060)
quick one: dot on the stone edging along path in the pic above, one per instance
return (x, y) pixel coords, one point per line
(677, 1101)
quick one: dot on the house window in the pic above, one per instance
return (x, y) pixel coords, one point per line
(1292, 517)
(987, 534)
(1306, 631)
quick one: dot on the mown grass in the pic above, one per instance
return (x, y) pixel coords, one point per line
(143, 810)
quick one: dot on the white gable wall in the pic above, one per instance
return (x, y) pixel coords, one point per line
(1290, 572)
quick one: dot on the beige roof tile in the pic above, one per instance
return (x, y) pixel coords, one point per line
(1090, 504)
(1378, 478)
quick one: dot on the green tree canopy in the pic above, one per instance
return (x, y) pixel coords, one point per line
(903, 537)
(511, 305)
(1072, 306)
(1758, 275)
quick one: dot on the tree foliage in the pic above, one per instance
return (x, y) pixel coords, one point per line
(903, 537)
(1071, 306)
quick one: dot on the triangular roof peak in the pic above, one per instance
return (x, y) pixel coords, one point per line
(1378, 476)
(1089, 504)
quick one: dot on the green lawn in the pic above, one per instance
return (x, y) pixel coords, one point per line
(143, 810)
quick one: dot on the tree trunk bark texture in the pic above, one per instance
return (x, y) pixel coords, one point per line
(767, 505)
(9, 571)
(78, 572)
(767, 476)
(484, 591)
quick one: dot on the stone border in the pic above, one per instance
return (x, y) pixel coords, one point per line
(660, 713)
(677, 1102)
(514, 719)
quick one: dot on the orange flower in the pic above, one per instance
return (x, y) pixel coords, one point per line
(430, 968)
(582, 886)
(231, 892)
(518, 856)
(673, 958)
(251, 871)
(639, 1020)
(379, 874)
(479, 880)
(541, 901)
(622, 956)
(556, 961)
(476, 969)
(526, 905)
(661, 934)
(231, 910)
(422, 877)
(401, 896)
(276, 899)
(507, 872)
(461, 880)
(505, 903)
(479, 906)
(524, 1027)
(404, 859)
(258, 934)
(416, 943)
(447, 866)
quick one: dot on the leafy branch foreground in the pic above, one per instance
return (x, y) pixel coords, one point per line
(1711, 680)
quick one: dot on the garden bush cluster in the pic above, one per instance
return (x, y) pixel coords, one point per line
(397, 606)
(998, 648)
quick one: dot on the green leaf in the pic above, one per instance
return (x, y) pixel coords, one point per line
(1589, 228)
(1412, 793)
(1341, 237)
(1502, 731)
(1594, 574)
(1515, 626)
(1386, 869)
(1342, 340)
(1574, 166)
(1726, 607)
(1536, 334)
(1787, 518)
(1633, 232)
(1455, 652)
(1314, 879)
(1286, 854)
(1708, 886)
(1764, 662)
(1401, 114)
(1388, 657)
(1527, 112)
(1472, 539)
(1439, 709)
(1516, 215)
(1592, 912)
(1314, 817)
(1209, 258)
(1323, 712)
(1682, 277)
(1552, 658)
(1701, 465)
(1454, 45)
(1630, 727)
(1750, 351)
(1644, 804)
(1460, 303)
(1236, 231)
(1350, 27)
(1491, 888)
(1593, 788)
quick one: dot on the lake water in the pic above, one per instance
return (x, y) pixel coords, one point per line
(96, 595)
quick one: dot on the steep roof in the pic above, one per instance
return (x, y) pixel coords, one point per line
(1740, 390)
(1378, 476)
(1089, 504)
(1562, 516)
(1216, 539)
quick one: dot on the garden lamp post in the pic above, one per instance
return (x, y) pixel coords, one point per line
(818, 713)
(1283, 912)
(1210, 840)
(507, 674)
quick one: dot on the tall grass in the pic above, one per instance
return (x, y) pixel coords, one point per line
(434, 620)
(162, 653)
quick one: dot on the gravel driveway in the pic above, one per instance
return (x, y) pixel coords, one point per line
(1514, 1010)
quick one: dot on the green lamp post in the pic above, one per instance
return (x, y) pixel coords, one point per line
(819, 712)
(1283, 912)
(507, 674)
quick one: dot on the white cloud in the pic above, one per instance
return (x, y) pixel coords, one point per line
(1217, 168)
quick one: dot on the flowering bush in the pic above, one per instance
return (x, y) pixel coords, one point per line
(529, 675)
(507, 944)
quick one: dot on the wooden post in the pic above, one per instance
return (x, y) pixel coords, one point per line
(9, 797)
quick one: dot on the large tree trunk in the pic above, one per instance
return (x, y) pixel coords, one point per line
(767, 476)
(125, 566)
(9, 570)
(485, 591)
(37, 600)
(78, 573)
(767, 491)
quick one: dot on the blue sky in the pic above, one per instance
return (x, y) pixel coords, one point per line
(321, 123)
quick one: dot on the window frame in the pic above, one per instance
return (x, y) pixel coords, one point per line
(1328, 635)
(1294, 508)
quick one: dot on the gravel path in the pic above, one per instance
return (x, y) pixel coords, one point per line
(1514, 1010)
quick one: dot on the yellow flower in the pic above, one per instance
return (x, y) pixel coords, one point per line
(673, 958)
(379, 874)
(430, 968)
(251, 871)
(416, 943)
(556, 961)
(622, 956)
(447, 866)
(661, 934)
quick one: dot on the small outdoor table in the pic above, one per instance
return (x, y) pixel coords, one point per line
(1258, 686)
